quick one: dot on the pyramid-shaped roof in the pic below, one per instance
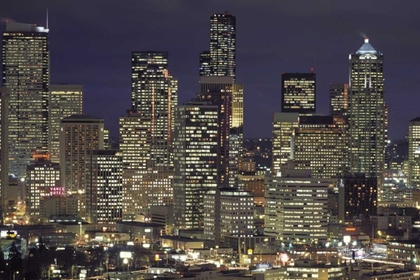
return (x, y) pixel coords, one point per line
(367, 48)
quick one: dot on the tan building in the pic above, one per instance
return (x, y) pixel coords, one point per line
(63, 101)
(79, 134)
(59, 206)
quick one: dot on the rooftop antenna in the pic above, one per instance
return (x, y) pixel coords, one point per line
(47, 21)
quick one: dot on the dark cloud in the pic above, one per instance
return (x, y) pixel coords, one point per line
(91, 42)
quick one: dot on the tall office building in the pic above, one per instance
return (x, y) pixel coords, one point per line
(367, 112)
(297, 207)
(26, 74)
(154, 96)
(223, 44)
(321, 145)
(298, 93)
(414, 153)
(79, 134)
(41, 177)
(339, 99)
(104, 186)
(134, 141)
(229, 96)
(196, 158)
(284, 126)
(64, 100)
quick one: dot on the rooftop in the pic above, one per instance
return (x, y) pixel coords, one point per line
(367, 48)
(12, 26)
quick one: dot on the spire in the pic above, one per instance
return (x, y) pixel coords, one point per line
(46, 23)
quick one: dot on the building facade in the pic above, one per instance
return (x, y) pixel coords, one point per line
(79, 134)
(296, 208)
(26, 74)
(321, 145)
(41, 176)
(64, 100)
(105, 186)
(298, 93)
(414, 153)
(196, 157)
(339, 99)
(234, 218)
(284, 127)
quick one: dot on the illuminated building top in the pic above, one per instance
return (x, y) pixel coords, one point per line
(12, 26)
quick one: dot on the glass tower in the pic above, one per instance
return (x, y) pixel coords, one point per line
(367, 111)
(26, 73)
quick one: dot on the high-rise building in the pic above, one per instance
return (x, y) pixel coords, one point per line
(79, 134)
(296, 208)
(154, 96)
(26, 74)
(223, 92)
(298, 93)
(41, 177)
(235, 215)
(223, 45)
(196, 158)
(367, 112)
(134, 142)
(284, 126)
(64, 100)
(360, 196)
(320, 145)
(414, 153)
(104, 192)
(339, 99)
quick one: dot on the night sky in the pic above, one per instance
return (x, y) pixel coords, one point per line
(91, 43)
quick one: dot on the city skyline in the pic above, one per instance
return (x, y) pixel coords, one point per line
(82, 53)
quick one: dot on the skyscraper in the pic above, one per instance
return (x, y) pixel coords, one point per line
(223, 44)
(367, 112)
(64, 100)
(196, 158)
(154, 96)
(284, 126)
(26, 73)
(298, 93)
(221, 59)
(79, 134)
(135, 141)
(339, 99)
(104, 186)
(229, 96)
(414, 153)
